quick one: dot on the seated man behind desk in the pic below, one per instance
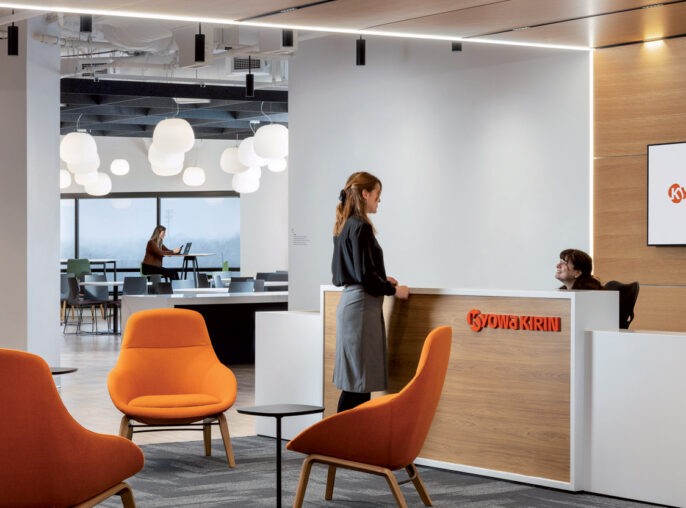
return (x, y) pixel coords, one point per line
(574, 270)
(155, 250)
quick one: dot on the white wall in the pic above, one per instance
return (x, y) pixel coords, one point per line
(264, 214)
(484, 157)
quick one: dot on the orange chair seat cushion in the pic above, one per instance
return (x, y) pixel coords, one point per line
(174, 401)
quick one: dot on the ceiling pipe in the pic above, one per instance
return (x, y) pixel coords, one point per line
(74, 43)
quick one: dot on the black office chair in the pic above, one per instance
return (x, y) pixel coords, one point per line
(203, 280)
(628, 294)
(164, 288)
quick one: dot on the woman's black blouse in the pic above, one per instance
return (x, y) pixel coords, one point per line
(358, 258)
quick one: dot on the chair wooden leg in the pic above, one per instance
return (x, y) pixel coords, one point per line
(223, 426)
(126, 495)
(302, 484)
(418, 484)
(63, 310)
(330, 480)
(207, 436)
(121, 489)
(395, 488)
(124, 429)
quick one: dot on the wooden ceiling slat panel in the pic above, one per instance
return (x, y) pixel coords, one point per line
(501, 16)
(361, 14)
(623, 27)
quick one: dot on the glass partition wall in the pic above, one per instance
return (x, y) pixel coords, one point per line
(119, 226)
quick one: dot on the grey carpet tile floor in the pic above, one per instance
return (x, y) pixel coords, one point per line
(179, 475)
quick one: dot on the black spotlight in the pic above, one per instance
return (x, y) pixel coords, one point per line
(287, 38)
(12, 40)
(249, 81)
(200, 45)
(456, 46)
(361, 53)
(86, 24)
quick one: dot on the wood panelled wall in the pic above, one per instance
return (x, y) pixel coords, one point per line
(640, 99)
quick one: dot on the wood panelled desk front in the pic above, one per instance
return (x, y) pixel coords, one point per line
(513, 403)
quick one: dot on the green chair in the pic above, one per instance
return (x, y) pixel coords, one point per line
(79, 267)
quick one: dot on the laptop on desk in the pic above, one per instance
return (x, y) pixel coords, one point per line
(187, 249)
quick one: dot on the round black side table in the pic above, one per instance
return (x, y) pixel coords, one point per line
(278, 411)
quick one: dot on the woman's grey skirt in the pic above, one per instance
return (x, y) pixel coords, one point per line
(361, 362)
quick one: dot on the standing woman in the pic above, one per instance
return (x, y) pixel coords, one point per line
(361, 365)
(155, 250)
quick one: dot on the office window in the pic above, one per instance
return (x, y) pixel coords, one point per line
(67, 225)
(212, 223)
(116, 229)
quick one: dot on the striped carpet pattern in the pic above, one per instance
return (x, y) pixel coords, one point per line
(179, 475)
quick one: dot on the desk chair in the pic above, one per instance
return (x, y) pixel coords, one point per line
(628, 294)
(47, 458)
(168, 375)
(64, 293)
(182, 284)
(242, 286)
(203, 280)
(384, 434)
(74, 301)
(79, 267)
(135, 286)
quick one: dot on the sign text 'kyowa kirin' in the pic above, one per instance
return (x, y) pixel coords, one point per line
(479, 321)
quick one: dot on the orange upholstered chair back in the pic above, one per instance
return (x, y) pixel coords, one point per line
(387, 431)
(413, 408)
(164, 351)
(46, 457)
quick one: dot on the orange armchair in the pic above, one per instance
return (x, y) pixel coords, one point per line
(46, 457)
(384, 434)
(168, 374)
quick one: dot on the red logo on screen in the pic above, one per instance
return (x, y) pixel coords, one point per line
(677, 193)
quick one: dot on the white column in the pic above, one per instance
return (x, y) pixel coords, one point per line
(29, 193)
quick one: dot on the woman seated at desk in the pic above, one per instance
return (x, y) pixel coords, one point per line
(154, 252)
(575, 269)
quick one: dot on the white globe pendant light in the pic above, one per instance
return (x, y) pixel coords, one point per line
(194, 176)
(247, 181)
(173, 135)
(65, 178)
(88, 166)
(101, 187)
(271, 141)
(86, 178)
(229, 161)
(119, 167)
(78, 147)
(247, 155)
(165, 164)
(276, 165)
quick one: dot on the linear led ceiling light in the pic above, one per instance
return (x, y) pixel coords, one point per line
(324, 29)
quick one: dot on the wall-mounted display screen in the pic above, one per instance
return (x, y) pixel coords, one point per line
(667, 194)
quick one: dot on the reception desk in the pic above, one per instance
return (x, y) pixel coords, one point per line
(514, 400)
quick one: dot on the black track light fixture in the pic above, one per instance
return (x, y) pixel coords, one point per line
(361, 51)
(456, 46)
(287, 38)
(249, 81)
(200, 45)
(86, 23)
(12, 40)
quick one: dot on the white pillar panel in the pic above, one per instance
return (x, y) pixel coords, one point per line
(29, 194)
